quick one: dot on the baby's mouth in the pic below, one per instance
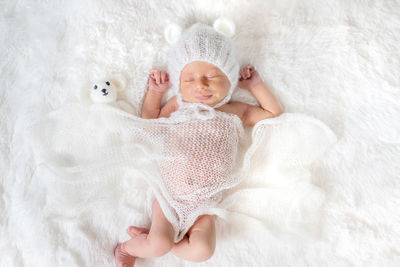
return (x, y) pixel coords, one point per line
(203, 97)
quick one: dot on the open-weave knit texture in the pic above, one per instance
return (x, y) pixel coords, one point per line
(196, 159)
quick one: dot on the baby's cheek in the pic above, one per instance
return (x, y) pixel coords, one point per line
(185, 92)
(222, 91)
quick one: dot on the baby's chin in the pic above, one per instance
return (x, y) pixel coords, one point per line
(210, 102)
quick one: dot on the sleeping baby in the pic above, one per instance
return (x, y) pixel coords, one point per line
(200, 147)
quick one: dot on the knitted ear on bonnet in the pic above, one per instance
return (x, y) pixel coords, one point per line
(202, 43)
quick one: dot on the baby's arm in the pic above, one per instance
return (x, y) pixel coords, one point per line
(270, 106)
(168, 108)
(158, 84)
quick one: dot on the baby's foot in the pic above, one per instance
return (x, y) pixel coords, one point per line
(134, 231)
(122, 257)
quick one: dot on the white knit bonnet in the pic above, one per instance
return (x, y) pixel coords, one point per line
(202, 42)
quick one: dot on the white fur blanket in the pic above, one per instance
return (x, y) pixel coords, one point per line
(333, 65)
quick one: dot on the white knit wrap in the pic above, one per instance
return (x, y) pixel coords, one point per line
(202, 43)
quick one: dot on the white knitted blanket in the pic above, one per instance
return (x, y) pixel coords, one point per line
(86, 154)
(307, 202)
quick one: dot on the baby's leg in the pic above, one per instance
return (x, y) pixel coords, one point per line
(157, 242)
(200, 245)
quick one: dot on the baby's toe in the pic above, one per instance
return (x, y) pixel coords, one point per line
(123, 258)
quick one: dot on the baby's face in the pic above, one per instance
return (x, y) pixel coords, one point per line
(203, 82)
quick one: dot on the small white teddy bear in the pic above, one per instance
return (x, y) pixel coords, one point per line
(106, 92)
(103, 92)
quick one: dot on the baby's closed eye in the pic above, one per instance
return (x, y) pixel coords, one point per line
(208, 77)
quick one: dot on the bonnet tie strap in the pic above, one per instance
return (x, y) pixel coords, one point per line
(197, 110)
(204, 112)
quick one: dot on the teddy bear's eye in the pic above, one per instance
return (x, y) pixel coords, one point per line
(95, 87)
(108, 83)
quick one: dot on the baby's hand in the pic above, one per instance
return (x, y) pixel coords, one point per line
(249, 78)
(159, 81)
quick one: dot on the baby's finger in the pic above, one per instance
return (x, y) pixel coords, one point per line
(152, 71)
(157, 76)
(248, 70)
(163, 77)
(152, 79)
(153, 74)
(246, 73)
(242, 74)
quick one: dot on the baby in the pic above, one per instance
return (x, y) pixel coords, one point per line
(202, 77)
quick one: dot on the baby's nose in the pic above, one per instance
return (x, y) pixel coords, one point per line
(201, 84)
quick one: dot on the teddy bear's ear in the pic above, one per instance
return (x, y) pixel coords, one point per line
(172, 32)
(224, 26)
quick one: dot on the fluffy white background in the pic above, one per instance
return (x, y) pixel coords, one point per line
(334, 60)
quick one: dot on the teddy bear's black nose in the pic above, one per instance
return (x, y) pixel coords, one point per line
(103, 90)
